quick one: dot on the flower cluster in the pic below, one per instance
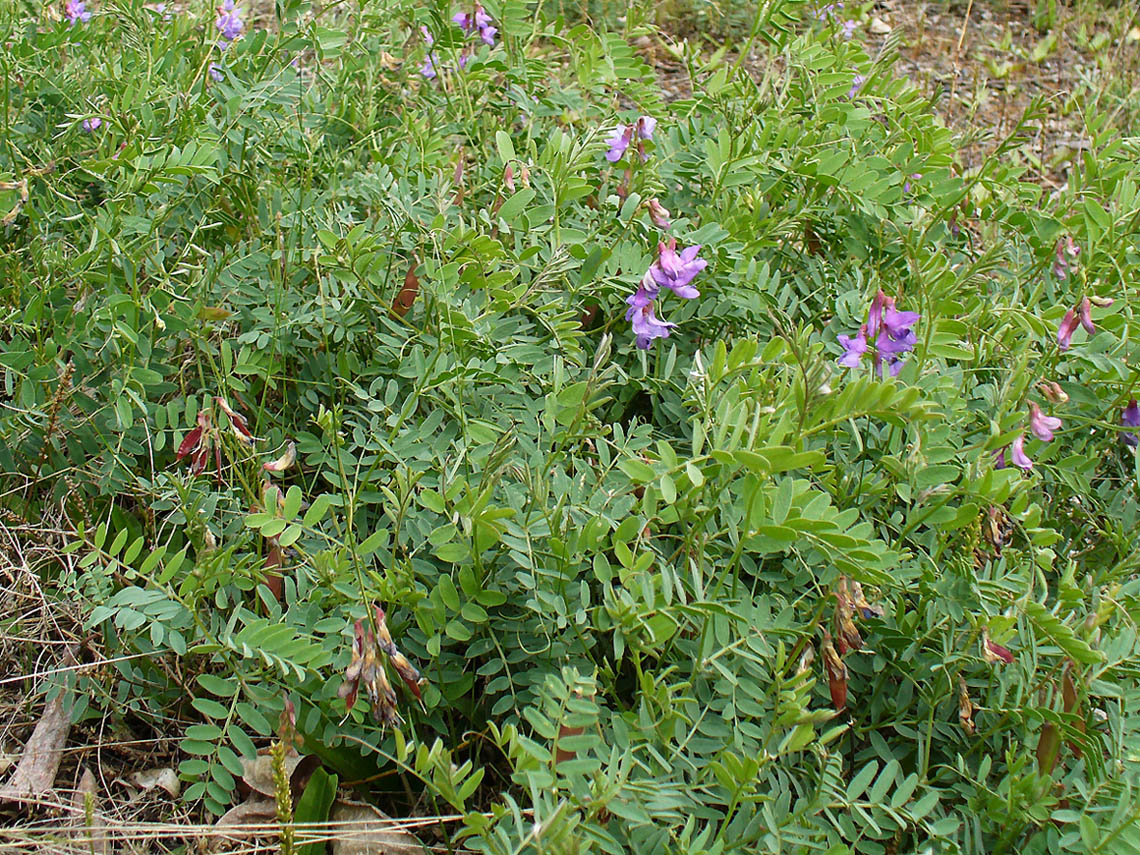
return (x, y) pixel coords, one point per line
(365, 667)
(477, 20)
(92, 124)
(673, 270)
(229, 23)
(76, 11)
(887, 333)
(624, 135)
(1041, 426)
(832, 12)
(1079, 315)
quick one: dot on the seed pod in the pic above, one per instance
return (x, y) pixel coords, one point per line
(965, 707)
(836, 673)
(848, 633)
(1048, 748)
(407, 295)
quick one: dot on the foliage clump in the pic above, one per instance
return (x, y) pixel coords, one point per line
(726, 474)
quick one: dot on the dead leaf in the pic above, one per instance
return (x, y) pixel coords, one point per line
(35, 773)
(360, 829)
(165, 779)
(256, 812)
(93, 835)
(257, 773)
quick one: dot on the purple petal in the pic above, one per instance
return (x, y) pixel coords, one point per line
(1017, 453)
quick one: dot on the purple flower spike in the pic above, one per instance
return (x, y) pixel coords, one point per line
(429, 66)
(1066, 330)
(76, 11)
(619, 142)
(229, 21)
(1020, 458)
(1041, 425)
(646, 325)
(853, 348)
(92, 124)
(675, 270)
(1130, 417)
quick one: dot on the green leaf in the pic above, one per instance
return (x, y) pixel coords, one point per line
(217, 685)
(313, 808)
(211, 708)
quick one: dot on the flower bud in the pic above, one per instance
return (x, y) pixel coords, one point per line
(658, 214)
(1052, 392)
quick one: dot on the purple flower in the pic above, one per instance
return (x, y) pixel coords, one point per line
(619, 142)
(215, 71)
(1066, 330)
(76, 11)
(914, 176)
(1084, 313)
(897, 324)
(429, 39)
(849, 29)
(646, 325)
(999, 459)
(229, 21)
(1019, 457)
(891, 331)
(675, 270)
(856, 84)
(1041, 425)
(645, 294)
(1130, 417)
(429, 66)
(477, 20)
(623, 136)
(1065, 247)
(92, 124)
(853, 348)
